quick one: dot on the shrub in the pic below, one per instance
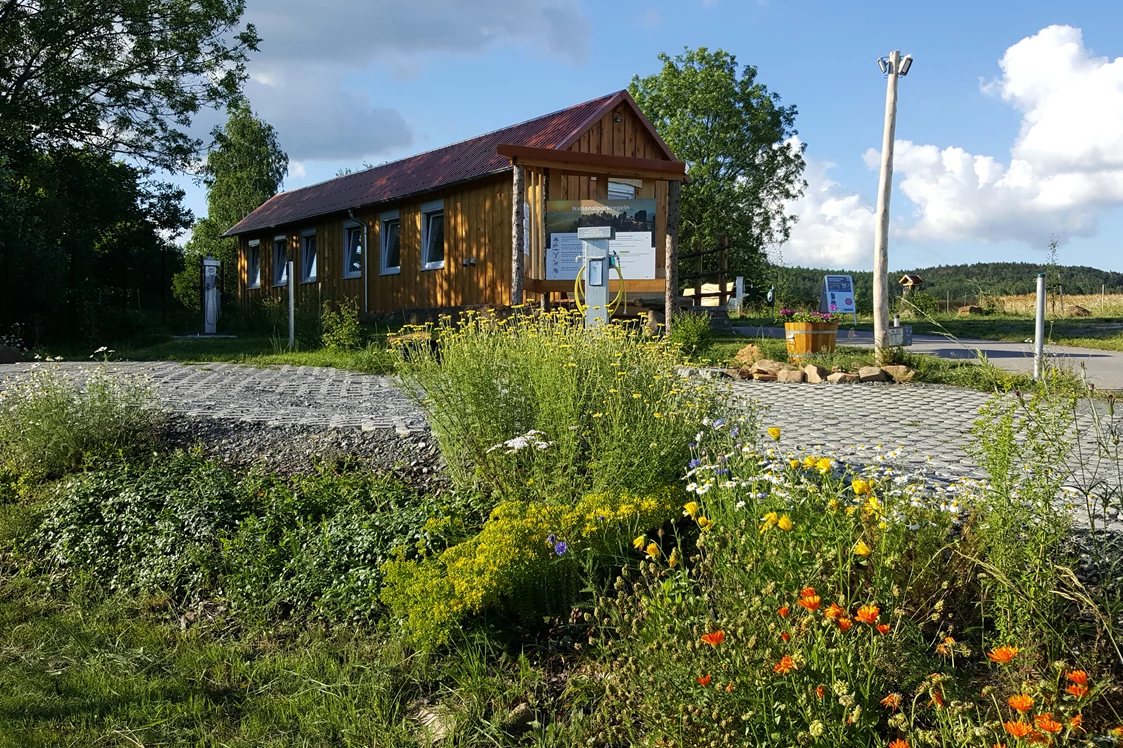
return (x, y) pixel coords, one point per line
(691, 332)
(50, 426)
(341, 326)
(529, 559)
(536, 406)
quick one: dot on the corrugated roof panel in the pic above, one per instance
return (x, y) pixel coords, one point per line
(469, 159)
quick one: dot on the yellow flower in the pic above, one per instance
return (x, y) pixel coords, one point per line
(705, 523)
(673, 560)
(794, 463)
(774, 432)
(658, 415)
(824, 466)
(652, 550)
(769, 520)
(638, 542)
(598, 415)
(861, 549)
(809, 461)
(690, 509)
(861, 487)
(785, 523)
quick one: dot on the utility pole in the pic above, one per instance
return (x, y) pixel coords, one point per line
(893, 67)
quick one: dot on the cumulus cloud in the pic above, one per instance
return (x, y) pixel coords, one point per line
(297, 82)
(835, 226)
(1066, 164)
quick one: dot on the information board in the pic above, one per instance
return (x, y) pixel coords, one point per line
(634, 245)
(837, 295)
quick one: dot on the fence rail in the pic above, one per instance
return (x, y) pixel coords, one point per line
(722, 272)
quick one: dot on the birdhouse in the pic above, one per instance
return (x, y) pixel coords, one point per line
(909, 282)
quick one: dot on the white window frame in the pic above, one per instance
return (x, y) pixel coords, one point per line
(348, 226)
(305, 277)
(384, 219)
(427, 210)
(281, 268)
(254, 246)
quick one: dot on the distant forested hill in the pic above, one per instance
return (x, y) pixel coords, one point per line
(801, 285)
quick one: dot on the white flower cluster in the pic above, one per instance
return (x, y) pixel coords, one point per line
(529, 440)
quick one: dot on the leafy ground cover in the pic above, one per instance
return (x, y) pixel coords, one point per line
(730, 589)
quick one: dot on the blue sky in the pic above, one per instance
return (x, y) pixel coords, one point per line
(1010, 124)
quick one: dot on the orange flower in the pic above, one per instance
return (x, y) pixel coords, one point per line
(783, 611)
(868, 614)
(729, 687)
(807, 592)
(784, 666)
(714, 639)
(1017, 729)
(1076, 722)
(844, 624)
(811, 602)
(819, 691)
(786, 637)
(937, 698)
(1047, 723)
(1079, 677)
(704, 680)
(999, 745)
(1077, 690)
(945, 649)
(833, 611)
(1039, 738)
(883, 628)
(1003, 655)
(892, 701)
(1022, 702)
(898, 743)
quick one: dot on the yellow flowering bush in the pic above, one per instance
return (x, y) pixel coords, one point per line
(528, 559)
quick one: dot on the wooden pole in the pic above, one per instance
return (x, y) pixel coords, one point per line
(674, 201)
(723, 266)
(881, 226)
(698, 272)
(518, 234)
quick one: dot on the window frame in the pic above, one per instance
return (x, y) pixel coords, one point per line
(349, 226)
(281, 269)
(304, 275)
(384, 219)
(253, 247)
(427, 211)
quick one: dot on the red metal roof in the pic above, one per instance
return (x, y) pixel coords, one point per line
(469, 159)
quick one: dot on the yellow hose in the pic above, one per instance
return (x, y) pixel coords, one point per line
(621, 295)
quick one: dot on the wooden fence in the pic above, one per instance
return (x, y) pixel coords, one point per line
(721, 272)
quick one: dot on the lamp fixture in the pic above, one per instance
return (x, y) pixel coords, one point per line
(905, 64)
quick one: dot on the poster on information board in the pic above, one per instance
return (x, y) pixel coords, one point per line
(634, 221)
(837, 295)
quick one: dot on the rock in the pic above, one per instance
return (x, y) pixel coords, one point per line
(748, 355)
(815, 373)
(1079, 311)
(765, 376)
(519, 719)
(966, 311)
(789, 375)
(899, 373)
(10, 355)
(842, 377)
(436, 722)
(871, 374)
(767, 366)
(745, 372)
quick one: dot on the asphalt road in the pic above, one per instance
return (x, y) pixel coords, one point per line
(1105, 368)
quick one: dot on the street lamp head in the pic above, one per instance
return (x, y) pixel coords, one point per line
(883, 63)
(905, 64)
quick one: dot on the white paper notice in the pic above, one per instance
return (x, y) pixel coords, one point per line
(563, 257)
(637, 256)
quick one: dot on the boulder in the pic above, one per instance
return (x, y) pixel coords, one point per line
(767, 366)
(842, 377)
(10, 355)
(789, 375)
(899, 373)
(815, 373)
(1079, 311)
(871, 374)
(748, 355)
(966, 311)
(765, 376)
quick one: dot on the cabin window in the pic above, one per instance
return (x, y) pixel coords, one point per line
(623, 189)
(253, 264)
(308, 256)
(391, 225)
(432, 236)
(280, 260)
(352, 250)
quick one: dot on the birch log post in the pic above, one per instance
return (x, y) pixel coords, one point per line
(518, 234)
(674, 201)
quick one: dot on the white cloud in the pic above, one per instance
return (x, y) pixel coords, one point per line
(297, 170)
(835, 226)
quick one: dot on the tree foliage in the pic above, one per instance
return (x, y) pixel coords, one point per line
(244, 168)
(738, 143)
(122, 76)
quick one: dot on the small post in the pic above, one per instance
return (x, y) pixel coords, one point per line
(698, 273)
(670, 269)
(723, 258)
(739, 291)
(292, 307)
(1039, 330)
(518, 234)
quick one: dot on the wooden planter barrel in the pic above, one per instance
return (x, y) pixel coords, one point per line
(805, 338)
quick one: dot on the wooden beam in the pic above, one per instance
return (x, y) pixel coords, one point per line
(649, 285)
(674, 202)
(573, 162)
(518, 233)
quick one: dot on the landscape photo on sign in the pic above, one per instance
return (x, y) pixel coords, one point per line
(633, 220)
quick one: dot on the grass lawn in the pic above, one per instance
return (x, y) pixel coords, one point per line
(1104, 333)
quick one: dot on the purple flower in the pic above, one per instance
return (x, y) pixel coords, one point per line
(551, 539)
(734, 432)
(561, 548)
(719, 423)
(695, 463)
(600, 518)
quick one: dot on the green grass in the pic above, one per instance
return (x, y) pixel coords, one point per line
(1103, 333)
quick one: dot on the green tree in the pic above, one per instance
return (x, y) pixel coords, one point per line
(244, 168)
(121, 76)
(737, 142)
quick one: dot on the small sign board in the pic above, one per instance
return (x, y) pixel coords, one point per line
(837, 295)
(899, 336)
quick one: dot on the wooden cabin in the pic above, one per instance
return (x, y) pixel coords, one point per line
(439, 229)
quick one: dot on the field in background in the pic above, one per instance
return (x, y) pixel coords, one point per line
(1110, 305)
